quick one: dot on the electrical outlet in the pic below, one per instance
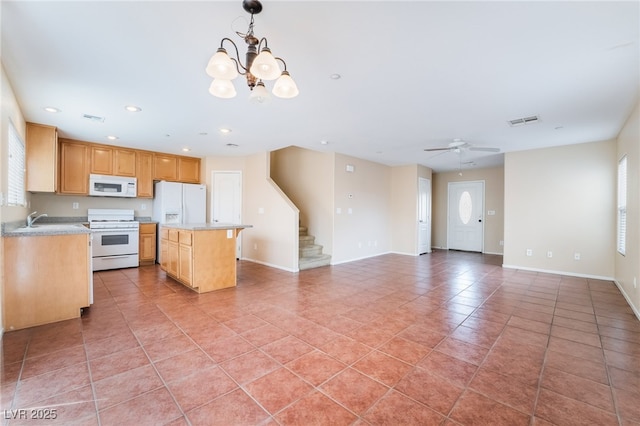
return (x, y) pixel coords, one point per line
(549, 254)
(255, 246)
(501, 242)
(143, 207)
(529, 252)
(635, 282)
(76, 206)
(576, 256)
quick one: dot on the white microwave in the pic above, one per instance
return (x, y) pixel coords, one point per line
(112, 186)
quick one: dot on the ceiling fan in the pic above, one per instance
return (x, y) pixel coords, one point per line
(458, 145)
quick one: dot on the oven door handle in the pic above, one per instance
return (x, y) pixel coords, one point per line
(114, 257)
(121, 230)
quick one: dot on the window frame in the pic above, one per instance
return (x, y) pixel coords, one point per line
(16, 171)
(621, 206)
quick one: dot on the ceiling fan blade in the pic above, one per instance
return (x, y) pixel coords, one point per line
(473, 148)
(437, 149)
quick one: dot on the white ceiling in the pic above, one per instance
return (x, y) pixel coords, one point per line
(415, 74)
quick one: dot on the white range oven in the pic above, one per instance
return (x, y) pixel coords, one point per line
(115, 238)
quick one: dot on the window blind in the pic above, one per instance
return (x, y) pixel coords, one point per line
(16, 169)
(622, 205)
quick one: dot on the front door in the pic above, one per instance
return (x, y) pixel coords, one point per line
(466, 219)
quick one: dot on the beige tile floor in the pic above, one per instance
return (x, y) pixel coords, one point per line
(445, 338)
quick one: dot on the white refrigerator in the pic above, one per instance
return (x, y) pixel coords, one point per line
(178, 203)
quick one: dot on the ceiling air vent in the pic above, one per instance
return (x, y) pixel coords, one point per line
(525, 120)
(93, 118)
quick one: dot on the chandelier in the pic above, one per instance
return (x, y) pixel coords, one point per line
(257, 68)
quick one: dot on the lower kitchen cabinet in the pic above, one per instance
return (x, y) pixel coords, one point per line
(47, 279)
(147, 250)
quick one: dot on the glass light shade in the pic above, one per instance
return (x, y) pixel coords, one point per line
(264, 66)
(285, 87)
(221, 66)
(222, 88)
(259, 94)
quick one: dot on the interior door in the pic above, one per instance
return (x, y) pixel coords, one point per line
(226, 200)
(424, 215)
(466, 219)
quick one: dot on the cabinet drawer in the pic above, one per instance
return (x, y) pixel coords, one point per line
(173, 235)
(186, 238)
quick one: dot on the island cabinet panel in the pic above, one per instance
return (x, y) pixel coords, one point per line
(173, 252)
(206, 259)
(74, 168)
(41, 152)
(164, 249)
(47, 279)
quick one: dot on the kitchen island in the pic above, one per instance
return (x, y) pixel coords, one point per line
(202, 256)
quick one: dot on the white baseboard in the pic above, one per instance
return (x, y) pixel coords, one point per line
(360, 258)
(270, 265)
(628, 299)
(570, 274)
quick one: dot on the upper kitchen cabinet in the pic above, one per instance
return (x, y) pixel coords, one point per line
(74, 167)
(108, 160)
(176, 168)
(144, 174)
(189, 169)
(165, 167)
(124, 162)
(41, 158)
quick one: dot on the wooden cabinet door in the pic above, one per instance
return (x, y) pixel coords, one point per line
(164, 249)
(147, 249)
(174, 256)
(189, 170)
(165, 167)
(124, 162)
(101, 160)
(74, 168)
(41, 150)
(185, 267)
(144, 174)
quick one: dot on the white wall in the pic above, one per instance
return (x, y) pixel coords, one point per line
(273, 239)
(366, 231)
(9, 110)
(307, 177)
(628, 266)
(561, 200)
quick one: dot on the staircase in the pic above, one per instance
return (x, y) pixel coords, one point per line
(310, 253)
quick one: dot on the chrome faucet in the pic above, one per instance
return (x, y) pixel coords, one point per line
(31, 220)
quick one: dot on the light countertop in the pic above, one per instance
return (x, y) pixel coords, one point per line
(205, 226)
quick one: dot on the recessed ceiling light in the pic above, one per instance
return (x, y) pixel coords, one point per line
(112, 138)
(335, 76)
(232, 145)
(185, 149)
(324, 142)
(51, 109)
(203, 133)
(225, 130)
(132, 108)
